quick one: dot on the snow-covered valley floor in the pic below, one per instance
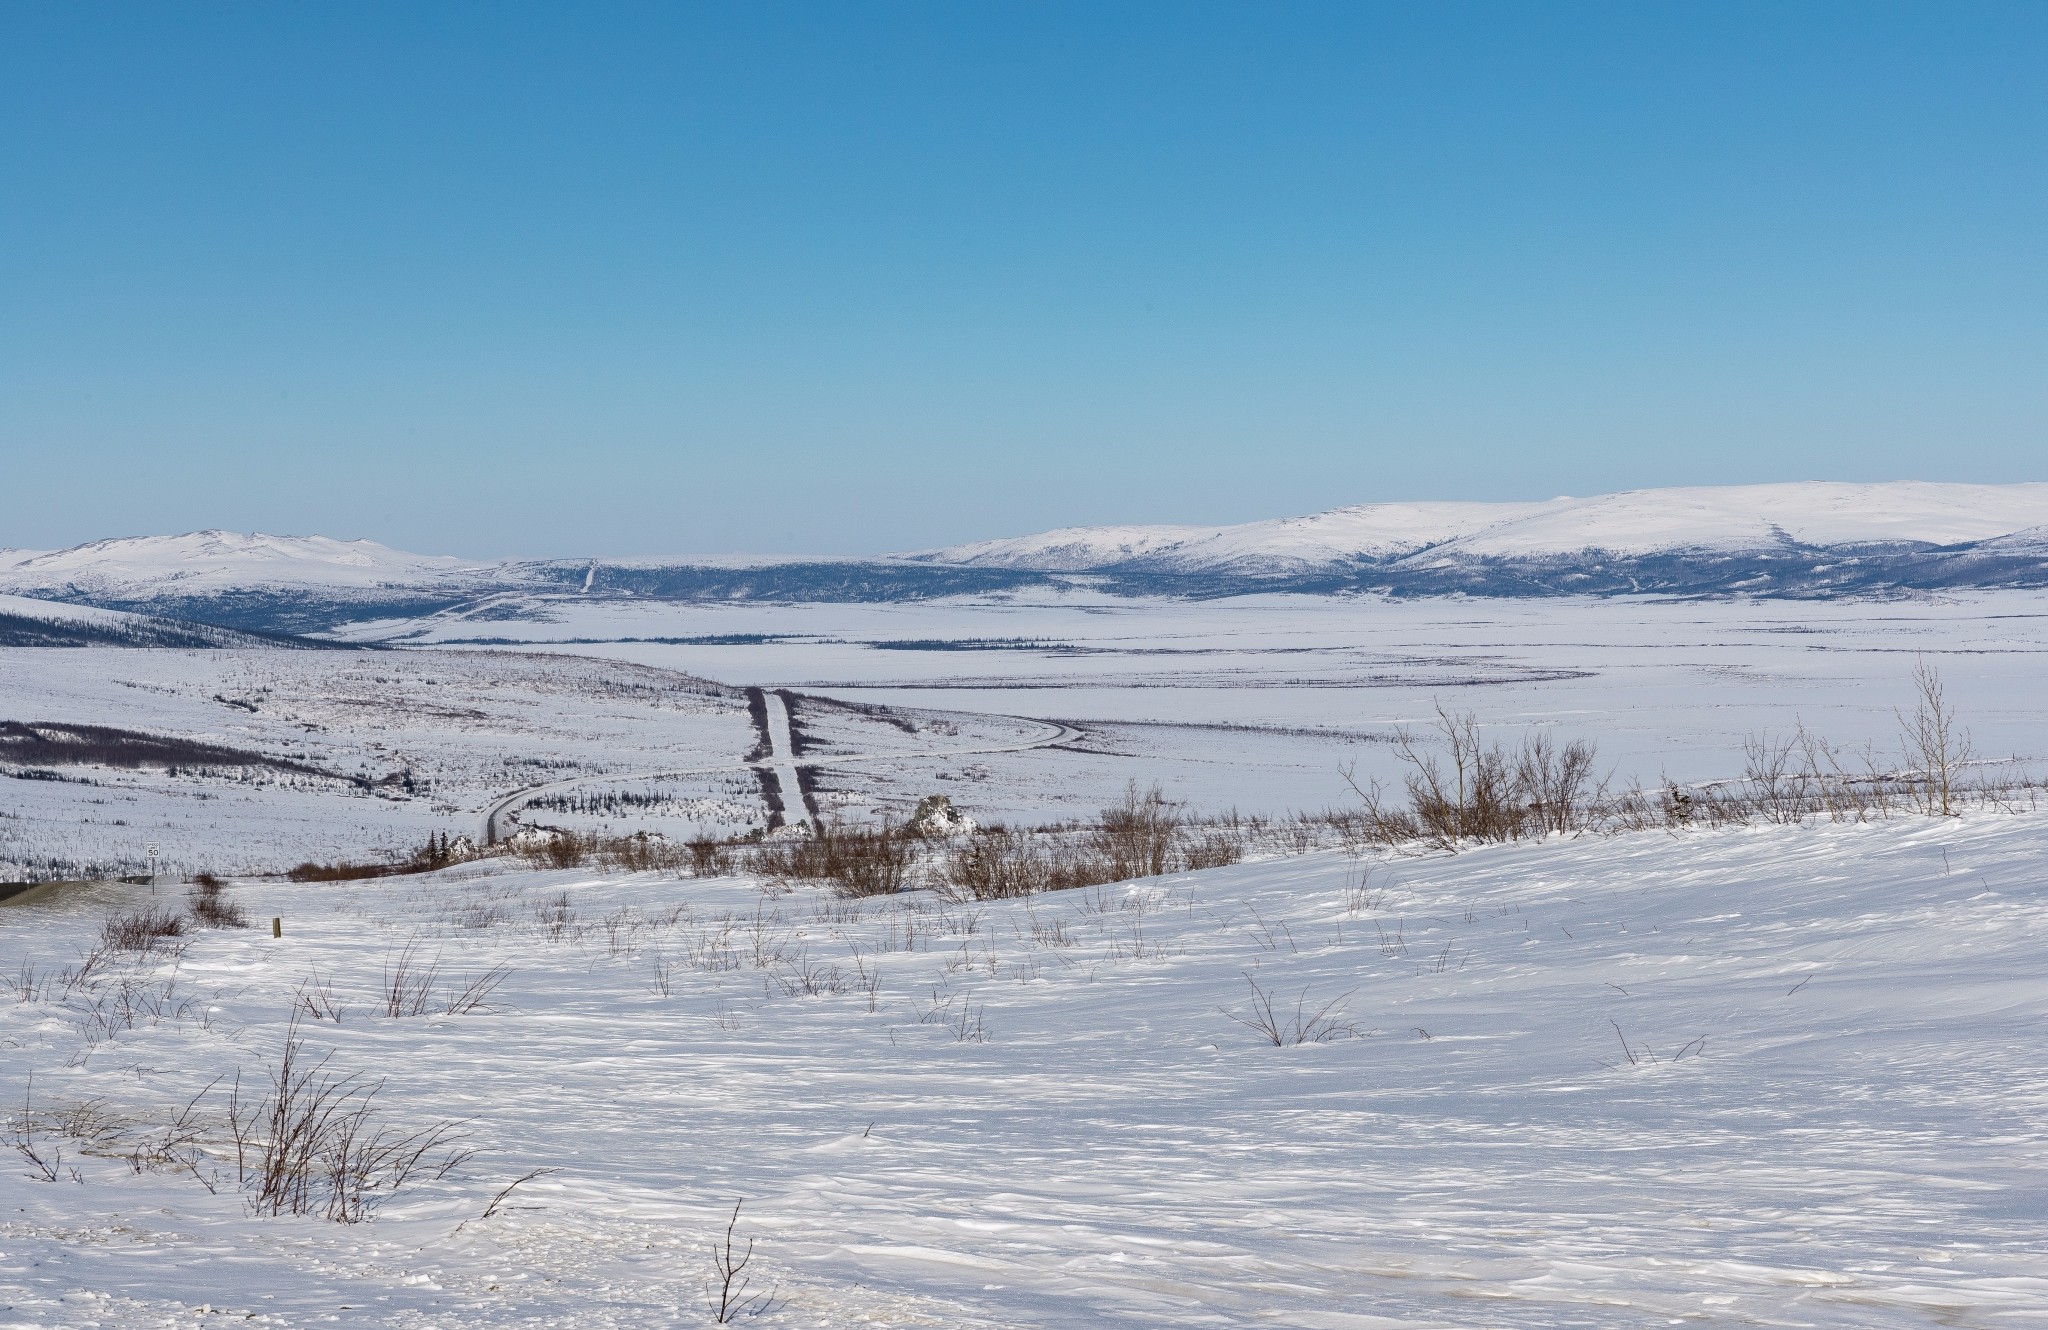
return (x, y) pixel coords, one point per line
(1777, 1075)
(628, 716)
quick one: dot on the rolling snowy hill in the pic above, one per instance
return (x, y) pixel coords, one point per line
(26, 622)
(138, 567)
(266, 583)
(1762, 518)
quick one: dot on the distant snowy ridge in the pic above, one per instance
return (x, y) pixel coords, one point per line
(28, 622)
(1725, 519)
(1814, 540)
(136, 567)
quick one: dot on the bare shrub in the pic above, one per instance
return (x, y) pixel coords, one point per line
(1554, 782)
(867, 863)
(1051, 933)
(1475, 791)
(1282, 1028)
(410, 987)
(505, 1193)
(436, 852)
(28, 984)
(812, 981)
(638, 853)
(1476, 798)
(104, 1009)
(341, 870)
(997, 864)
(1361, 896)
(1210, 849)
(561, 849)
(1937, 747)
(475, 994)
(729, 1281)
(209, 905)
(314, 1144)
(44, 1157)
(1775, 782)
(144, 930)
(708, 858)
(713, 950)
(857, 861)
(317, 1000)
(555, 917)
(1144, 835)
(1472, 791)
(1136, 836)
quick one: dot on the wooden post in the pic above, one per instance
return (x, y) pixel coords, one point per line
(277, 926)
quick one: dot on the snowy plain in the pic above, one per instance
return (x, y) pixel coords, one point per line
(1257, 702)
(1025, 708)
(1774, 1075)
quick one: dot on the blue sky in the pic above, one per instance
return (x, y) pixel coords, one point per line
(614, 279)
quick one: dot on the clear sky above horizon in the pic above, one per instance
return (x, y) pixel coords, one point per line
(613, 279)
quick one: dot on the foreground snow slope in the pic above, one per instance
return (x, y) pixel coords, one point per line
(1834, 1114)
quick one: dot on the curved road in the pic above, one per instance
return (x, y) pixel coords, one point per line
(511, 803)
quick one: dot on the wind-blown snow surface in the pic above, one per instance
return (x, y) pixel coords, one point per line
(1834, 1116)
(1637, 522)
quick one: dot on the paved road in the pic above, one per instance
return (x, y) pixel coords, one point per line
(497, 817)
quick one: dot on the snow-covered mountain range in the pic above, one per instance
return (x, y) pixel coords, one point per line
(1814, 539)
(1634, 524)
(138, 567)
